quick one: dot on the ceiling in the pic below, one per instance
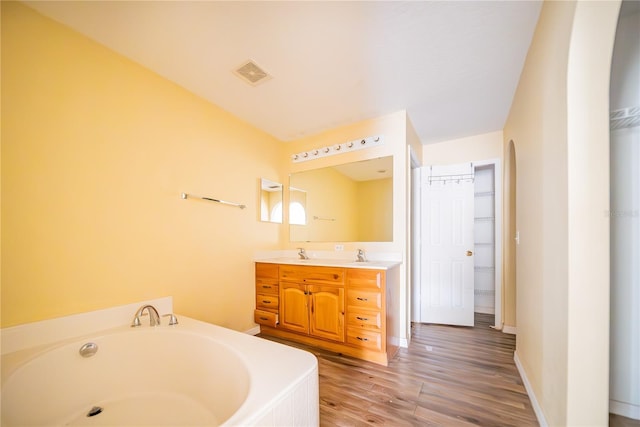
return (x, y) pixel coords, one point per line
(453, 65)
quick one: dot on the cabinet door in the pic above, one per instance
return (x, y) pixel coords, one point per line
(326, 312)
(294, 311)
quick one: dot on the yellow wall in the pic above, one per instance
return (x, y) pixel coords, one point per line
(558, 123)
(330, 206)
(588, 83)
(95, 152)
(509, 235)
(270, 200)
(470, 149)
(537, 126)
(375, 219)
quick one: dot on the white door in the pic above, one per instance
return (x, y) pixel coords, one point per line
(447, 217)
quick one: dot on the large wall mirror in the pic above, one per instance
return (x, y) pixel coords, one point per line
(270, 201)
(351, 202)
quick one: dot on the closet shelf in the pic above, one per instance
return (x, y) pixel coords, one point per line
(624, 118)
(484, 218)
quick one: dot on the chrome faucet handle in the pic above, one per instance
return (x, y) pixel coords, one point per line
(360, 256)
(302, 253)
(173, 320)
(154, 317)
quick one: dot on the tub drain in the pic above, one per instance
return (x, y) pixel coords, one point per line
(94, 411)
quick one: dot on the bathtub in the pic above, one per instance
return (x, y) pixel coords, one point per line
(189, 374)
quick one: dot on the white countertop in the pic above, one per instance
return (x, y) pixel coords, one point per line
(322, 262)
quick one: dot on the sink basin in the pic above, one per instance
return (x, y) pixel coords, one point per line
(333, 262)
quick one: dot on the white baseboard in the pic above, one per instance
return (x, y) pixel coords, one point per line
(253, 331)
(484, 310)
(509, 330)
(625, 409)
(527, 385)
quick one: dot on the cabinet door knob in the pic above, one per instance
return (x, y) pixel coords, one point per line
(364, 319)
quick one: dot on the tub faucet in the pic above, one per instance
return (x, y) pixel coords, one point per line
(360, 256)
(154, 317)
(302, 253)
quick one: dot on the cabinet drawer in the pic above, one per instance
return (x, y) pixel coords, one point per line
(364, 319)
(362, 278)
(363, 338)
(265, 318)
(267, 302)
(266, 271)
(302, 274)
(263, 287)
(364, 299)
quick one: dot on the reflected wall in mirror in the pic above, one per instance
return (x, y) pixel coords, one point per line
(270, 201)
(352, 202)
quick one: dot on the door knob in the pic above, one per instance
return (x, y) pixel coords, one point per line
(469, 253)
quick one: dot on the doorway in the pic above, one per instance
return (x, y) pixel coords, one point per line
(487, 248)
(624, 371)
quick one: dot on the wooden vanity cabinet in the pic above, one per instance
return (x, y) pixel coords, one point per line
(267, 295)
(344, 310)
(365, 309)
(312, 301)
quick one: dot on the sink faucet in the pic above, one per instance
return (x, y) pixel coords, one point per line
(302, 253)
(154, 317)
(360, 256)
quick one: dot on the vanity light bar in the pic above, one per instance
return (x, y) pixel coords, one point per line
(358, 144)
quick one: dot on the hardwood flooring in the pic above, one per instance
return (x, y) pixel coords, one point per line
(620, 421)
(449, 376)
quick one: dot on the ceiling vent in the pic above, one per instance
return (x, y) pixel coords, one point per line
(251, 73)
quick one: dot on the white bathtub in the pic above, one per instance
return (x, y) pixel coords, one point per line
(189, 374)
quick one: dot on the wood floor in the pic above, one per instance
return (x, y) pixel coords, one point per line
(449, 376)
(620, 421)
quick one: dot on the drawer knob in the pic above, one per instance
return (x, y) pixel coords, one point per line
(264, 318)
(266, 286)
(264, 301)
(362, 339)
(362, 299)
(364, 319)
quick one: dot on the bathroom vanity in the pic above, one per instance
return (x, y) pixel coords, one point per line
(345, 307)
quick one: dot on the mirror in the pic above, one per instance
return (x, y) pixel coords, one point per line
(352, 202)
(270, 201)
